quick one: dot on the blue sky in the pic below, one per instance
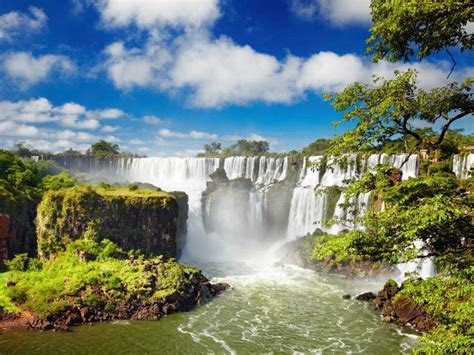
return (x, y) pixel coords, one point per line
(163, 77)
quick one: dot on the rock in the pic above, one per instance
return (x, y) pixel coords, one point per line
(277, 264)
(389, 290)
(346, 297)
(151, 221)
(366, 296)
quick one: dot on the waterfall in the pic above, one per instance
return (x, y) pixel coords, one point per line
(311, 198)
(261, 170)
(462, 164)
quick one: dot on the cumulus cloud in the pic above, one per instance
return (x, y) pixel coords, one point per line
(213, 73)
(336, 12)
(166, 133)
(13, 24)
(28, 70)
(109, 129)
(41, 110)
(152, 14)
(151, 119)
(10, 128)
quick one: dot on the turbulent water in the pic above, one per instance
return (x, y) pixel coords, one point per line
(269, 310)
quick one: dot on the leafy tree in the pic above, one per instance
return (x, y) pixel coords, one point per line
(103, 149)
(392, 108)
(212, 149)
(70, 153)
(318, 147)
(404, 28)
(250, 148)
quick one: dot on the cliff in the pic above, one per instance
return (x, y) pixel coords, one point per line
(142, 219)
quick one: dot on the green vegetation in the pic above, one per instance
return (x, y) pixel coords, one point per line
(241, 148)
(103, 149)
(96, 274)
(404, 28)
(449, 301)
(22, 183)
(318, 147)
(335, 247)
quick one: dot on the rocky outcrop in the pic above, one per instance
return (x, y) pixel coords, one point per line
(199, 292)
(402, 310)
(143, 219)
(299, 251)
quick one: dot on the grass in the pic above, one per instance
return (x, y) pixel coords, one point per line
(450, 302)
(90, 274)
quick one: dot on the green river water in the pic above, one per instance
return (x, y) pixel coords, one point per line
(270, 310)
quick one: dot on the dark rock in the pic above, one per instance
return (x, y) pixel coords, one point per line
(346, 297)
(366, 296)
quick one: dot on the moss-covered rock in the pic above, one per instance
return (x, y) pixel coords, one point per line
(96, 281)
(141, 219)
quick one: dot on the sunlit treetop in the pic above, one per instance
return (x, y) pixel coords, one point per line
(404, 28)
(389, 109)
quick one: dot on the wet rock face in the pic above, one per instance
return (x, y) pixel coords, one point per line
(401, 310)
(150, 222)
(4, 235)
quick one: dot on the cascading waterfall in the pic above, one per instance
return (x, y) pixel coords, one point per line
(316, 198)
(462, 164)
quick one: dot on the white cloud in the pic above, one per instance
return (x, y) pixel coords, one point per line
(166, 133)
(136, 141)
(10, 128)
(13, 24)
(109, 129)
(28, 70)
(337, 12)
(128, 68)
(220, 72)
(109, 114)
(151, 13)
(150, 119)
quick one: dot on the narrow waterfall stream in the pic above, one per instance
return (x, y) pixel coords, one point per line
(271, 309)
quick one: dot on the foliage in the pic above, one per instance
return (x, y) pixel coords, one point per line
(449, 301)
(432, 209)
(318, 147)
(336, 247)
(389, 109)
(103, 149)
(70, 279)
(241, 148)
(22, 182)
(404, 28)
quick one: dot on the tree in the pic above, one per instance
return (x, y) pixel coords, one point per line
(318, 147)
(103, 149)
(212, 149)
(404, 28)
(70, 153)
(392, 108)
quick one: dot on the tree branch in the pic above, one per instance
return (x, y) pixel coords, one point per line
(454, 63)
(450, 121)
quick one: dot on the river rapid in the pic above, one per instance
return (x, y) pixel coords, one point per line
(269, 310)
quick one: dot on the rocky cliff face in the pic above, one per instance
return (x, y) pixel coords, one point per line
(147, 220)
(4, 236)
